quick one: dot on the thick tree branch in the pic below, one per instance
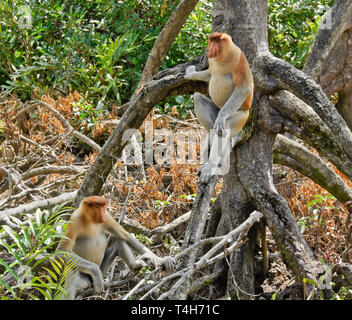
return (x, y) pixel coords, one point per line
(290, 153)
(41, 204)
(197, 221)
(310, 128)
(255, 156)
(310, 92)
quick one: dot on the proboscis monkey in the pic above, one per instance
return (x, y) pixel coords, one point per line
(231, 91)
(89, 247)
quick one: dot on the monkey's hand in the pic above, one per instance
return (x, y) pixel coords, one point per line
(139, 263)
(167, 262)
(220, 126)
(192, 74)
(190, 71)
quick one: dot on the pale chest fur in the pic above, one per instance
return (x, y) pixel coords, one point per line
(91, 245)
(220, 88)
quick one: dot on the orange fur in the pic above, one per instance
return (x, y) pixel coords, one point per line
(224, 58)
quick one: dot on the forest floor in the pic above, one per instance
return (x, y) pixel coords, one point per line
(157, 193)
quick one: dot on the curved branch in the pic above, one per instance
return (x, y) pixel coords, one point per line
(154, 91)
(290, 153)
(310, 92)
(311, 129)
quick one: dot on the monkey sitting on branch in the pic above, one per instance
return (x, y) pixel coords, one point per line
(231, 91)
(93, 252)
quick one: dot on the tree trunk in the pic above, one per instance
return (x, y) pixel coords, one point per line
(249, 184)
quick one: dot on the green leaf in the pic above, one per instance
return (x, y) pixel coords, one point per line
(10, 270)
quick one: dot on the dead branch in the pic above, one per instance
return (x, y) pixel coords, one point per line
(52, 154)
(159, 232)
(41, 204)
(181, 288)
(64, 122)
(46, 170)
(197, 220)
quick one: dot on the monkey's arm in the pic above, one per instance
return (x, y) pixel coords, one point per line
(192, 74)
(124, 251)
(65, 251)
(231, 116)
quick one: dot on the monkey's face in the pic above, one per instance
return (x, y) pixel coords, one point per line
(98, 213)
(94, 207)
(217, 43)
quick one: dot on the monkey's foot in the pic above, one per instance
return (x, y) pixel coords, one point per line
(200, 169)
(207, 172)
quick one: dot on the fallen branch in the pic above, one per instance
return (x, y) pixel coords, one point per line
(41, 204)
(159, 232)
(46, 170)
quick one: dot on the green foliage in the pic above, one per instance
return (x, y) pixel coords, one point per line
(344, 293)
(292, 27)
(190, 197)
(160, 205)
(30, 247)
(315, 208)
(97, 48)
(51, 284)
